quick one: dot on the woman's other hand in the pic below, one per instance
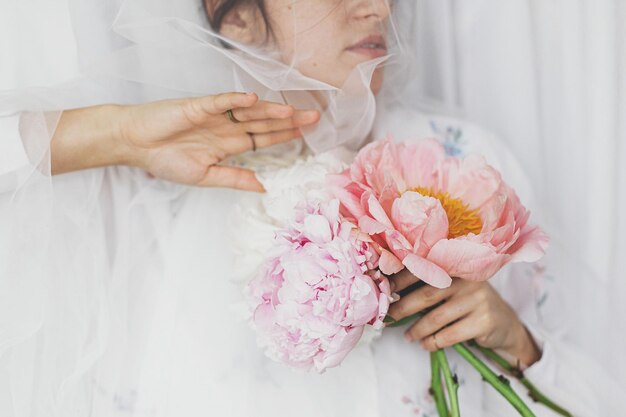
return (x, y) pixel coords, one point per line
(180, 140)
(468, 310)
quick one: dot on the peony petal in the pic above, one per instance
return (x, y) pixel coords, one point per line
(397, 244)
(376, 210)
(420, 162)
(369, 168)
(383, 284)
(350, 202)
(427, 271)
(388, 263)
(467, 259)
(371, 226)
(530, 246)
(383, 307)
(318, 229)
(264, 317)
(472, 180)
(364, 301)
(420, 219)
(343, 342)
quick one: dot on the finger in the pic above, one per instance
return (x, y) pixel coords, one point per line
(263, 140)
(246, 141)
(299, 119)
(417, 301)
(461, 331)
(219, 103)
(231, 177)
(402, 280)
(441, 317)
(263, 110)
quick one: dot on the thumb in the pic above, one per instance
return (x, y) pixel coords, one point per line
(231, 177)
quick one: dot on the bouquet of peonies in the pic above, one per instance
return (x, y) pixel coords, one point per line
(318, 289)
(396, 206)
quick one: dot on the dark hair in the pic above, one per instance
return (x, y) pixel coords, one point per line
(223, 7)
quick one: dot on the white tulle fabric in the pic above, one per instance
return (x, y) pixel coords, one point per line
(115, 289)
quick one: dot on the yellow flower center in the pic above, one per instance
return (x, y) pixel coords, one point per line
(461, 220)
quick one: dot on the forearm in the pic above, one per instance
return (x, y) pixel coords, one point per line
(88, 138)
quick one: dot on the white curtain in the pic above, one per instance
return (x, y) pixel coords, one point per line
(37, 46)
(549, 78)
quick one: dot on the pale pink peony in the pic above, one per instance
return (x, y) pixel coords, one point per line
(318, 289)
(437, 215)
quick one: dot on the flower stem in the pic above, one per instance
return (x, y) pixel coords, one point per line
(452, 384)
(436, 390)
(500, 383)
(517, 373)
(391, 322)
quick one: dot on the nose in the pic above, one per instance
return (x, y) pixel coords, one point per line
(370, 9)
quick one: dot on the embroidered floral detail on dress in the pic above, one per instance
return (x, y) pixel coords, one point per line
(451, 138)
(539, 279)
(125, 401)
(420, 405)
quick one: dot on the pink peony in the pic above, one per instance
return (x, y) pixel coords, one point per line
(317, 291)
(437, 215)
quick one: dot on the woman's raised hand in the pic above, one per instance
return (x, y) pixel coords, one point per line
(179, 140)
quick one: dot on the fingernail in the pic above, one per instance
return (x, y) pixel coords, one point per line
(394, 297)
(408, 338)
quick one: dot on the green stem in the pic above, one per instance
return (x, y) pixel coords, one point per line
(500, 383)
(517, 373)
(452, 384)
(391, 322)
(436, 390)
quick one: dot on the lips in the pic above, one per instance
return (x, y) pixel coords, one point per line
(373, 46)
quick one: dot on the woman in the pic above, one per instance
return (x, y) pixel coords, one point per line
(130, 308)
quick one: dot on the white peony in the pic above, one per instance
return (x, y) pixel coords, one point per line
(258, 216)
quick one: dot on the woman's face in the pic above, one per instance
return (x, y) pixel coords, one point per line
(324, 39)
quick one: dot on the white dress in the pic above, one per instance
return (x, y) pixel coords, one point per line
(151, 331)
(135, 319)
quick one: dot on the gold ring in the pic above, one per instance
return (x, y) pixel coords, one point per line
(231, 116)
(435, 340)
(251, 135)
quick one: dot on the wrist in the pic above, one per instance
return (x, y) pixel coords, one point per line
(88, 138)
(524, 350)
(128, 153)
